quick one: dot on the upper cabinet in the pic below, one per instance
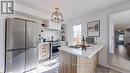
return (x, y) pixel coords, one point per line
(54, 26)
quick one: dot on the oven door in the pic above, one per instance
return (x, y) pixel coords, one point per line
(55, 49)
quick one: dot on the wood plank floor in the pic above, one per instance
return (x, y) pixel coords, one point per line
(102, 69)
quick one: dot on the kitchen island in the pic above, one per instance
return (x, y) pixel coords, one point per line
(76, 60)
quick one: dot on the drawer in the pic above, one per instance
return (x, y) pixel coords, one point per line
(44, 51)
(44, 56)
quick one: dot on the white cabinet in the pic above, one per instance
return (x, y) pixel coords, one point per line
(44, 50)
(54, 26)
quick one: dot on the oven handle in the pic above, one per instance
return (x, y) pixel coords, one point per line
(56, 45)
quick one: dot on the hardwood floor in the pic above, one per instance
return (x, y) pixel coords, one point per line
(102, 69)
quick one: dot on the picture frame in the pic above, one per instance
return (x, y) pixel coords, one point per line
(93, 28)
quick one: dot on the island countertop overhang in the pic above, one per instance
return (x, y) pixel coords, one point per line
(91, 51)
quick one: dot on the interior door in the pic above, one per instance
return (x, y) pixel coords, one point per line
(32, 30)
(15, 36)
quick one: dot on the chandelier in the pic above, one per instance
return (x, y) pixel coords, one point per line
(57, 16)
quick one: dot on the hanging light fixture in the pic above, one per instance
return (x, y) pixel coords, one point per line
(57, 16)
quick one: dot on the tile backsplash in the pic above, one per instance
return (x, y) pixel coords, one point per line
(47, 34)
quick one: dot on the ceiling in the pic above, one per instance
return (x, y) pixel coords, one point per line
(121, 19)
(70, 8)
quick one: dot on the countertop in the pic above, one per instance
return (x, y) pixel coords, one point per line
(91, 51)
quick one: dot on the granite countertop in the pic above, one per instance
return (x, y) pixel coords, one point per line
(91, 51)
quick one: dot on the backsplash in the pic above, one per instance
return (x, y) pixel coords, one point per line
(47, 34)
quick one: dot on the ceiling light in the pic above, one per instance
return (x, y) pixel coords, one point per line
(57, 16)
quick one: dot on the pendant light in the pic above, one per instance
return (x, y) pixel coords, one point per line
(57, 16)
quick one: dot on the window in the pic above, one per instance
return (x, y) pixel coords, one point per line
(121, 37)
(77, 34)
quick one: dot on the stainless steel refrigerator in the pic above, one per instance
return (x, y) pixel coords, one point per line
(21, 45)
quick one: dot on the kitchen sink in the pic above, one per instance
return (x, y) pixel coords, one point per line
(74, 47)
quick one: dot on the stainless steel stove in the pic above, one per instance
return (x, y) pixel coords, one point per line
(54, 49)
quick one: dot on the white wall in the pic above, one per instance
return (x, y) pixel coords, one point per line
(2, 42)
(103, 16)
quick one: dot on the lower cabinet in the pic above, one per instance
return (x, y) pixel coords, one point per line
(85, 65)
(69, 63)
(44, 51)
